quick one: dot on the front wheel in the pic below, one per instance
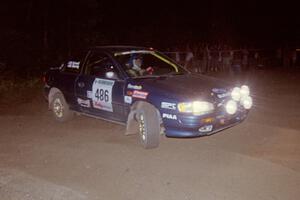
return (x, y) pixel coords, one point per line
(60, 108)
(149, 127)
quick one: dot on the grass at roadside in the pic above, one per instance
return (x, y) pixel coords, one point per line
(18, 89)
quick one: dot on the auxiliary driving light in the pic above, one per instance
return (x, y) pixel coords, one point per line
(245, 91)
(231, 107)
(247, 102)
(236, 94)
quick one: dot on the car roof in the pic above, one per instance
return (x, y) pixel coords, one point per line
(116, 48)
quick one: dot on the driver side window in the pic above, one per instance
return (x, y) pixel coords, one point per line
(100, 65)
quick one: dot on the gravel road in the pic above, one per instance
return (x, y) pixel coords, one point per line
(92, 159)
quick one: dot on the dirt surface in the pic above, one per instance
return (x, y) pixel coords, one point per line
(92, 159)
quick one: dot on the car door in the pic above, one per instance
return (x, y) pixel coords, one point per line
(100, 88)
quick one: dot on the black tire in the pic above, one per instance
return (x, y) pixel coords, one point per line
(149, 126)
(60, 108)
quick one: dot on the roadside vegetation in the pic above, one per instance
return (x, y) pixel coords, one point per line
(18, 87)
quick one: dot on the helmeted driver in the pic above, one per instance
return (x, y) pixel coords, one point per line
(135, 69)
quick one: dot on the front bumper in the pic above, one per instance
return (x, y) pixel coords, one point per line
(195, 126)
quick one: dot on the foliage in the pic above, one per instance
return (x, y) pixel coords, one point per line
(9, 81)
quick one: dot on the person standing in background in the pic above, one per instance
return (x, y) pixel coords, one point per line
(286, 56)
(205, 58)
(294, 58)
(245, 59)
(279, 57)
(189, 59)
(226, 59)
(220, 60)
(177, 56)
(231, 56)
(214, 61)
(256, 59)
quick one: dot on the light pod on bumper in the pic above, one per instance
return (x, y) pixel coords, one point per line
(231, 107)
(236, 94)
(244, 91)
(246, 102)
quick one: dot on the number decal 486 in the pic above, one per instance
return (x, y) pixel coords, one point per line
(102, 94)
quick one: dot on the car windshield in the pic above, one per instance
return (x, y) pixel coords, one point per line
(146, 63)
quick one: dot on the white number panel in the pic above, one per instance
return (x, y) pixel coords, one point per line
(102, 94)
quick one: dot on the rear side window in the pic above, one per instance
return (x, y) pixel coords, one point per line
(98, 64)
(73, 64)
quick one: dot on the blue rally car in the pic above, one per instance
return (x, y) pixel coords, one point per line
(146, 91)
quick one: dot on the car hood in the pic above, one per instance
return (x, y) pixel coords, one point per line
(184, 87)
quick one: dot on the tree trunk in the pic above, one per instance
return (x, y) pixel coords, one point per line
(45, 31)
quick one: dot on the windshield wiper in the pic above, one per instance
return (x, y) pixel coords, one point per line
(159, 76)
(144, 77)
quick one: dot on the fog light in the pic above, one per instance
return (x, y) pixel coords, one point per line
(231, 107)
(207, 120)
(247, 102)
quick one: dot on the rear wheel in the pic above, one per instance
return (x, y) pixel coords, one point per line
(60, 108)
(149, 127)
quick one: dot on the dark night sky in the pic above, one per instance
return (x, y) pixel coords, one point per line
(68, 23)
(247, 19)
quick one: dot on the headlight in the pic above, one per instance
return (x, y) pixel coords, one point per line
(231, 107)
(236, 94)
(247, 102)
(196, 107)
(245, 91)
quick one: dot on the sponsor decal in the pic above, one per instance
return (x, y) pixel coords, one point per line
(169, 116)
(140, 94)
(89, 94)
(218, 90)
(167, 105)
(206, 128)
(222, 121)
(128, 99)
(129, 93)
(135, 87)
(220, 116)
(102, 106)
(227, 94)
(73, 64)
(102, 94)
(220, 104)
(84, 103)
